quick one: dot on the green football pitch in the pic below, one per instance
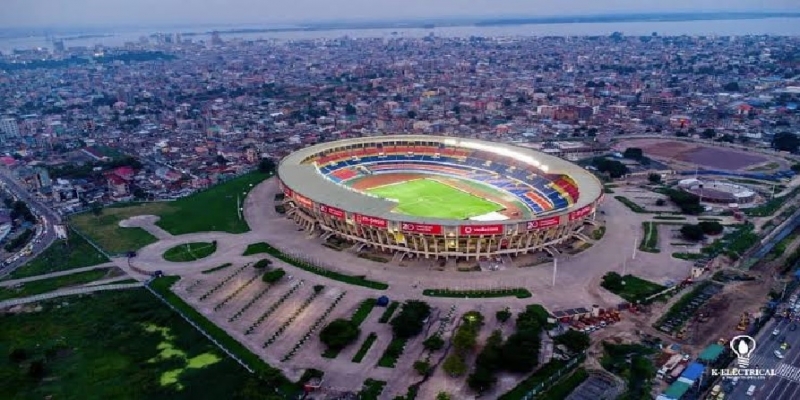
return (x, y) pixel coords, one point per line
(433, 199)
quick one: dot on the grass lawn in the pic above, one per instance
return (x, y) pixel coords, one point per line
(113, 345)
(51, 284)
(433, 199)
(634, 289)
(650, 241)
(365, 346)
(520, 293)
(215, 269)
(105, 231)
(60, 256)
(190, 251)
(210, 210)
(256, 248)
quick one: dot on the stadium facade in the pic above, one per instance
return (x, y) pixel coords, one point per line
(548, 199)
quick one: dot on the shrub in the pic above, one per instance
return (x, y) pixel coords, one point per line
(274, 275)
(454, 366)
(692, 232)
(433, 343)
(411, 319)
(422, 367)
(263, 263)
(503, 315)
(339, 334)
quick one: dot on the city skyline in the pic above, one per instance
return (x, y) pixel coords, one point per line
(95, 13)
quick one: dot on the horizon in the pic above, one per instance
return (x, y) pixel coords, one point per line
(765, 14)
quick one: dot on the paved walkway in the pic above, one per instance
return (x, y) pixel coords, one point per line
(67, 292)
(55, 274)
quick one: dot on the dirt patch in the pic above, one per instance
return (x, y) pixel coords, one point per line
(725, 310)
(706, 156)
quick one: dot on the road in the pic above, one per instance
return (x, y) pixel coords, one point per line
(786, 384)
(38, 209)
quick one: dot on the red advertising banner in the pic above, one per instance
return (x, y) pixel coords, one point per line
(580, 213)
(287, 192)
(332, 211)
(411, 227)
(370, 221)
(478, 230)
(305, 201)
(543, 223)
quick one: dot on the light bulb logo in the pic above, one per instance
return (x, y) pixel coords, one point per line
(743, 346)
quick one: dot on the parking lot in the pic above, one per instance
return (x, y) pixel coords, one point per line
(683, 310)
(599, 386)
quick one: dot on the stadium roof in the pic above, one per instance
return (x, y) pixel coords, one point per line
(308, 181)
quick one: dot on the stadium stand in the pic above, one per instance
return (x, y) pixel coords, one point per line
(540, 192)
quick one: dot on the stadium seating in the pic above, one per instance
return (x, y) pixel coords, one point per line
(541, 192)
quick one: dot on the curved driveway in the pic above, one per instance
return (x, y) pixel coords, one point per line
(576, 273)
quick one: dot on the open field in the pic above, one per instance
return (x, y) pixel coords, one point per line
(209, 210)
(134, 347)
(48, 285)
(698, 154)
(433, 199)
(62, 255)
(190, 251)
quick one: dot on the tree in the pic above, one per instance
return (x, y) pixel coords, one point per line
(411, 114)
(711, 227)
(613, 168)
(786, 141)
(796, 167)
(692, 232)
(454, 366)
(220, 159)
(349, 109)
(573, 340)
(263, 263)
(634, 153)
(274, 275)
(708, 133)
(481, 380)
(339, 334)
(266, 165)
(660, 202)
(503, 315)
(410, 321)
(97, 209)
(422, 367)
(731, 87)
(443, 396)
(433, 343)
(654, 178)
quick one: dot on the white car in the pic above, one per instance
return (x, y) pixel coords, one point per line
(778, 354)
(775, 332)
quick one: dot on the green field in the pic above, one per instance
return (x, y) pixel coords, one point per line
(213, 209)
(60, 256)
(433, 199)
(114, 345)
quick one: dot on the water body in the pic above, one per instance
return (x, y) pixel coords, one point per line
(739, 27)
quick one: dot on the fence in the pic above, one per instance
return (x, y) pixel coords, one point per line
(199, 329)
(553, 378)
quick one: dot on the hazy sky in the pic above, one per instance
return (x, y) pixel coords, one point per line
(43, 13)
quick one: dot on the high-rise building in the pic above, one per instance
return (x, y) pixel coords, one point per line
(216, 39)
(9, 127)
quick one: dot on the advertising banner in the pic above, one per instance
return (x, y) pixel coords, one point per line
(543, 223)
(478, 230)
(287, 192)
(429, 229)
(370, 221)
(580, 213)
(332, 211)
(304, 201)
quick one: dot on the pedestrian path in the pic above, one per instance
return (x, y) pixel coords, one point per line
(68, 292)
(14, 282)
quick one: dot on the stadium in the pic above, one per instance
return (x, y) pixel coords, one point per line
(433, 197)
(718, 191)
